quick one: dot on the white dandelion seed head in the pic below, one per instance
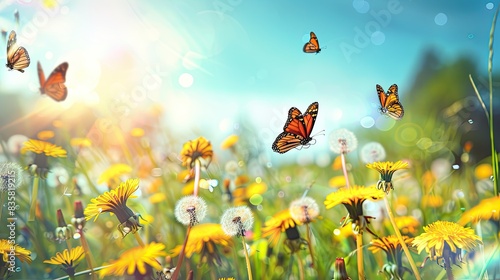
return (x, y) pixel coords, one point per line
(237, 220)
(232, 167)
(372, 152)
(304, 209)
(343, 141)
(190, 210)
(11, 176)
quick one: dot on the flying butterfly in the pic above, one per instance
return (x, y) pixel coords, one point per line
(17, 58)
(54, 86)
(389, 102)
(313, 45)
(297, 129)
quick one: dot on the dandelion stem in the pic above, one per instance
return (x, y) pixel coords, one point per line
(309, 243)
(88, 254)
(494, 155)
(139, 239)
(344, 170)
(84, 272)
(359, 253)
(301, 267)
(181, 255)
(400, 238)
(247, 259)
(68, 243)
(197, 170)
(34, 196)
(447, 265)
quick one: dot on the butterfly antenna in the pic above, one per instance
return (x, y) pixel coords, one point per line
(322, 132)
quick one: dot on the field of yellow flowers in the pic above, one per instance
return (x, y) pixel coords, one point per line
(130, 207)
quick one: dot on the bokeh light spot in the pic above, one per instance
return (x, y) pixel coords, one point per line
(424, 143)
(441, 19)
(256, 199)
(361, 6)
(490, 6)
(367, 122)
(186, 80)
(378, 38)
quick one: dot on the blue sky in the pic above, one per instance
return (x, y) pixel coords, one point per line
(216, 60)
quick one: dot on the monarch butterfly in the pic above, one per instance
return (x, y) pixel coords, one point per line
(297, 129)
(17, 58)
(389, 102)
(313, 45)
(54, 85)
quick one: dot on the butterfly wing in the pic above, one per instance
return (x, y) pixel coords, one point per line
(297, 129)
(292, 114)
(394, 107)
(309, 118)
(313, 45)
(10, 43)
(17, 58)
(54, 85)
(389, 102)
(286, 141)
(41, 75)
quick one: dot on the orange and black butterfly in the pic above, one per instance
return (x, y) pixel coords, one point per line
(54, 86)
(17, 58)
(297, 129)
(313, 45)
(389, 102)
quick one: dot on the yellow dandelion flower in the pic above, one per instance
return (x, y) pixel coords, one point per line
(80, 142)
(5, 250)
(342, 234)
(394, 252)
(135, 261)
(390, 245)
(42, 147)
(243, 194)
(337, 182)
(203, 240)
(198, 149)
(277, 224)
(45, 135)
(483, 171)
(487, 209)
(446, 240)
(57, 123)
(352, 198)
(406, 224)
(386, 170)
(115, 201)
(337, 163)
(241, 180)
(428, 180)
(229, 142)
(432, 201)
(68, 259)
(157, 198)
(137, 132)
(188, 188)
(113, 173)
